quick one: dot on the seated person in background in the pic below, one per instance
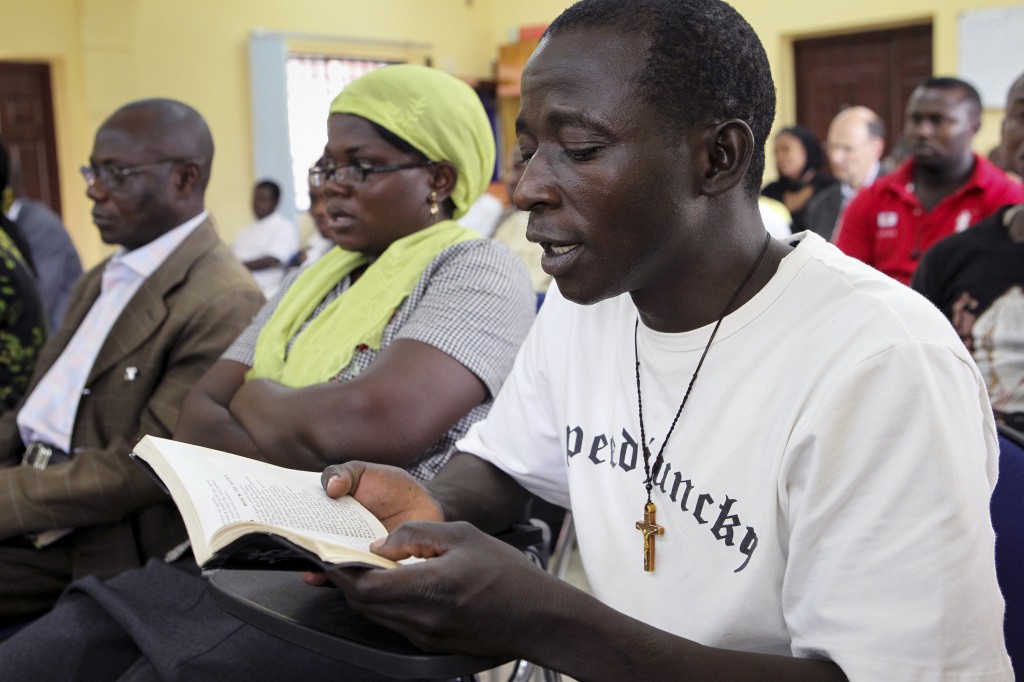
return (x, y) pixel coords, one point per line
(976, 278)
(818, 501)
(512, 230)
(140, 329)
(321, 241)
(22, 317)
(54, 257)
(856, 140)
(386, 349)
(941, 189)
(800, 162)
(268, 245)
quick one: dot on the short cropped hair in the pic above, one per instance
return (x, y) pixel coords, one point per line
(876, 127)
(272, 187)
(949, 83)
(705, 64)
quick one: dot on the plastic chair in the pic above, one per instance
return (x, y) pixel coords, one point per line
(1007, 509)
(280, 604)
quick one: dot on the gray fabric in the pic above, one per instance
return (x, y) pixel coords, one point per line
(822, 210)
(56, 262)
(155, 623)
(32, 578)
(474, 302)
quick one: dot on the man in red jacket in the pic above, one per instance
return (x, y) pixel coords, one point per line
(942, 189)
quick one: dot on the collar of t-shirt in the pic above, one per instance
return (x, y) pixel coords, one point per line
(48, 413)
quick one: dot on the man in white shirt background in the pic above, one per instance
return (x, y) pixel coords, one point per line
(267, 246)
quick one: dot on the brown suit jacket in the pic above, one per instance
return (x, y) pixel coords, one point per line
(177, 324)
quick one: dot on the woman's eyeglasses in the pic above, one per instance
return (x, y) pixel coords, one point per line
(355, 173)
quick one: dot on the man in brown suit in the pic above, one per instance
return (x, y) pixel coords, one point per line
(140, 329)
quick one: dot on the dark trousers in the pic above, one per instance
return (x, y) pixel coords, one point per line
(155, 623)
(31, 580)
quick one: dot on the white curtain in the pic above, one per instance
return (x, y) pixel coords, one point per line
(268, 56)
(314, 81)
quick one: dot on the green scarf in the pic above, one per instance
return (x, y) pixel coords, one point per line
(433, 111)
(357, 317)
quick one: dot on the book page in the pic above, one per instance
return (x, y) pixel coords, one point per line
(225, 489)
(289, 503)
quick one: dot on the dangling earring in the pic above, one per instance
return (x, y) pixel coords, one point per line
(434, 210)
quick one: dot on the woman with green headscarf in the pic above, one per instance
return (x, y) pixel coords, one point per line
(394, 342)
(385, 349)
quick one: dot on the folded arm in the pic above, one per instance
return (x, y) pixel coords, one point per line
(205, 418)
(262, 263)
(404, 402)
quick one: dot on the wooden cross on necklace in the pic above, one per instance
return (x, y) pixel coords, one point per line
(649, 528)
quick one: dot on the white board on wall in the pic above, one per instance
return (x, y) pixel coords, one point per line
(990, 55)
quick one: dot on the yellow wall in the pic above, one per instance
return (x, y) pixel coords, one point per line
(781, 22)
(107, 52)
(50, 31)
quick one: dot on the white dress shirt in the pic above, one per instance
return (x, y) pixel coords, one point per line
(48, 414)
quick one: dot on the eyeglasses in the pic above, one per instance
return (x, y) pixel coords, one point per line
(113, 176)
(356, 173)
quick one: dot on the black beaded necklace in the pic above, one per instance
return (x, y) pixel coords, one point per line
(649, 526)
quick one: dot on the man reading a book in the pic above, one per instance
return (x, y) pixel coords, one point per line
(139, 330)
(778, 460)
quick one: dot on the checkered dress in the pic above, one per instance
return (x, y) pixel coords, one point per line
(473, 302)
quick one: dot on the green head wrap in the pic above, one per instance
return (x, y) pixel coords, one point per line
(434, 112)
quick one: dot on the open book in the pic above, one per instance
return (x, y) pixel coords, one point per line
(242, 513)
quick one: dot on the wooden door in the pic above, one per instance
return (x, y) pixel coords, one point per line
(26, 127)
(877, 69)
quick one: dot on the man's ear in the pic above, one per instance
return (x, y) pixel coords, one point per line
(879, 147)
(442, 180)
(728, 148)
(186, 178)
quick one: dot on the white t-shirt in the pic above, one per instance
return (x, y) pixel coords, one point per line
(274, 236)
(825, 492)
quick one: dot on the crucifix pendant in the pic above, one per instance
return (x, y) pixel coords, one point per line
(649, 528)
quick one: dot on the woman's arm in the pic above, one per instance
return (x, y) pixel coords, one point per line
(453, 350)
(404, 402)
(205, 419)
